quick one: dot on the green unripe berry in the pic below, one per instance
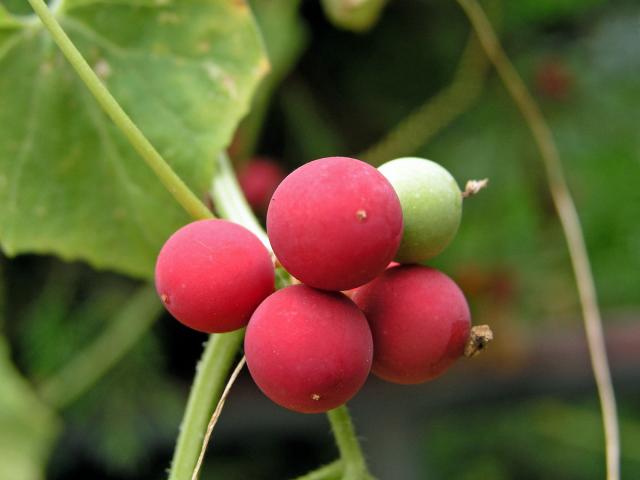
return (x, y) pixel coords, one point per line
(431, 206)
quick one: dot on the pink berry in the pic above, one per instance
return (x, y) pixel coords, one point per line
(419, 320)
(258, 180)
(212, 274)
(349, 293)
(308, 350)
(335, 223)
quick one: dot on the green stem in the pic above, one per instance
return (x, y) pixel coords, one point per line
(229, 201)
(90, 364)
(330, 471)
(355, 467)
(211, 375)
(314, 134)
(154, 160)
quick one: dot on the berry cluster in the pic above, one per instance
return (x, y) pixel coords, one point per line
(336, 224)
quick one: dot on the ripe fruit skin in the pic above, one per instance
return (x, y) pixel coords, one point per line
(308, 350)
(335, 223)
(258, 180)
(431, 206)
(419, 320)
(212, 274)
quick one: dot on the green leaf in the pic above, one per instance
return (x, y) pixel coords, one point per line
(132, 411)
(15, 7)
(70, 184)
(285, 37)
(27, 426)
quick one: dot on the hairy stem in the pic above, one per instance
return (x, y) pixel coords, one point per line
(330, 471)
(355, 467)
(86, 368)
(570, 224)
(174, 184)
(216, 415)
(211, 375)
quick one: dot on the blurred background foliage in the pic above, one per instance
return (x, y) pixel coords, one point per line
(525, 409)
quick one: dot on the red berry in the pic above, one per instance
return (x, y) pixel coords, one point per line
(419, 320)
(307, 350)
(258, 180)
(335, 223)
(554, 79)
(349, 293)
(212, 274)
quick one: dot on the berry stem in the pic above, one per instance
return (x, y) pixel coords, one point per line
(569, 220)
(173, 183)
(355, 467)
(216, 415)
(211, 376)
(330, 471)
(88, 366)
(229, 201)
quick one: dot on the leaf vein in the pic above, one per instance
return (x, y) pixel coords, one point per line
(27, 143)
(111, 154)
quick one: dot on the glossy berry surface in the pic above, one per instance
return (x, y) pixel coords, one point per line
(212, 274)
(419, 320)
(308, 350)
(335, 223)
(431, 206)
(258, 180)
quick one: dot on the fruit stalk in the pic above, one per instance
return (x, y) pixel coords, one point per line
(215, 416)
(211, 375)
(355, 467)
(229, 201)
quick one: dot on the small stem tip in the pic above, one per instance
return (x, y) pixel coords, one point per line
(479, 338)
(474, 186)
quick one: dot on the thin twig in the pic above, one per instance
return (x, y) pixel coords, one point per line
(216, 415)
(570, 224)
